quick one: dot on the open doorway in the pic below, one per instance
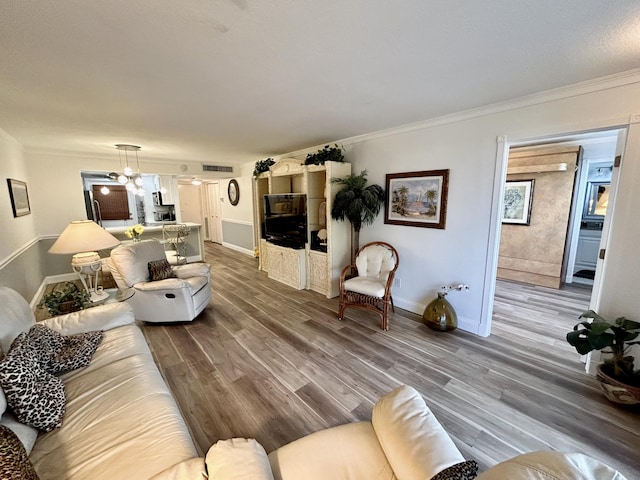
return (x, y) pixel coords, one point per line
(573, 226)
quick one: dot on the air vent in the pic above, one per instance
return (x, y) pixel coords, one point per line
(216, 168)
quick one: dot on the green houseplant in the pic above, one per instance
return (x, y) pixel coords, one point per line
(68, 299)
(326, 154)
(359, 203)
(263, 166)
(618, 378)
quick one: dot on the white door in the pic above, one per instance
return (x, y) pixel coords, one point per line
(213, 218)
(593, 358)
(190, 203)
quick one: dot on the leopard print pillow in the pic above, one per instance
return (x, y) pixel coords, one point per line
(160, 270)
(59, 353)
(36, 397)
(460, 471)
(14, 461)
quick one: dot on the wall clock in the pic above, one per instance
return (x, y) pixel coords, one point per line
(233, 191)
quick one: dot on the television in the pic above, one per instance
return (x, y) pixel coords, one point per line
(285, 219)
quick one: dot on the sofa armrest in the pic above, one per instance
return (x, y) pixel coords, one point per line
(103, 317)
(551, 465)
(192, 270)
(192, 469)
(166, 284)
(413, 440)
(238, 459)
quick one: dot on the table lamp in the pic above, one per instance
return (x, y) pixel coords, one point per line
(81, 238)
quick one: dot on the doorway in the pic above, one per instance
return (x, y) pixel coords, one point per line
(213, 221)
(499, 187)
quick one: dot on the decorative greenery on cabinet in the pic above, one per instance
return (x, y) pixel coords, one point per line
(326, 154)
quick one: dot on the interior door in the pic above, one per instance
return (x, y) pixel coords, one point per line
(214, 219)
(593, 358)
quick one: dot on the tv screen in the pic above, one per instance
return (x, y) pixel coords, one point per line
(285, 219)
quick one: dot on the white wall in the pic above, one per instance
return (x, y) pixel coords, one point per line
(243, 211)
(467, 145)
(19, 232)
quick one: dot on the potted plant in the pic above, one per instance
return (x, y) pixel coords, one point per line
(326, 154)
(70, 299)
(262, 166)
(619, 381)
(357, 202)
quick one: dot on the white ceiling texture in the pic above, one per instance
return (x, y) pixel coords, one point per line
(237, 80)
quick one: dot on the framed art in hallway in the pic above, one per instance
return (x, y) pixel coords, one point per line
(518, 198)
(19, 197)
(417, 199)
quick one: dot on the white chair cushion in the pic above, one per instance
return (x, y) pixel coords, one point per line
(413, 440)
(375, 261)
(131, 262)
(366, 285)
(551, 466)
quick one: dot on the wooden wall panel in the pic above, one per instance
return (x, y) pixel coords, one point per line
(535, 253)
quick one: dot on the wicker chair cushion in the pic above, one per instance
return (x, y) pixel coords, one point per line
(375, 261)
(370, 286)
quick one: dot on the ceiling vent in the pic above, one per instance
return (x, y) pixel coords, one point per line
(217, 168)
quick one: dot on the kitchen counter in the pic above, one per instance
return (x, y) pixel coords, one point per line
(152, 227)
(194, 241)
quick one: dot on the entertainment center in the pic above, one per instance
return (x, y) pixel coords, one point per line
(300, 244)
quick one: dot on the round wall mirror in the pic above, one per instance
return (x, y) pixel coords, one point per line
(233, 192)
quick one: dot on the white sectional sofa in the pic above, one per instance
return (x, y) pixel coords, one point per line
(122, 422)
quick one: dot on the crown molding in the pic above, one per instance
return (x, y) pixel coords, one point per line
(574, 90)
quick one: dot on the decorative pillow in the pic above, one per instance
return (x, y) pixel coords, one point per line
(14, 461)
(35, 396)
(59, 353)
(160, 270)
(460, 471)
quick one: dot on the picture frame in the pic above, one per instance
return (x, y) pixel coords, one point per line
(19, 197)
(417, 199)
(517, 202)
(233, 192)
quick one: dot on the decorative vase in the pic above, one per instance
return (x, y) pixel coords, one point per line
(616, 391)
(136, 239)
(440, 314)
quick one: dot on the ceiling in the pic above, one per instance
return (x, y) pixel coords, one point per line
(238, 80)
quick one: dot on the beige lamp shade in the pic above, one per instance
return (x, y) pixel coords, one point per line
(83, 236)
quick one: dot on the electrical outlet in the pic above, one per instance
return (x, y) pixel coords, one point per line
(397, 283)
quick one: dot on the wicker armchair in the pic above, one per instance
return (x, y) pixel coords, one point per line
(367, 284)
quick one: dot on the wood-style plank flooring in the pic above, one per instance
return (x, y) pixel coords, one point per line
(273, 363)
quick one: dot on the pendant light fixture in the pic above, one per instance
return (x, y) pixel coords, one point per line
(131, 180)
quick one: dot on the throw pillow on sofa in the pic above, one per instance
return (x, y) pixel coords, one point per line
(160, 270)
(14, 461)
(35, 396)
(460, 471)
(59, 353)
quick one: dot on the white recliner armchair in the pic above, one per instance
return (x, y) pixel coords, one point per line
(174, 299)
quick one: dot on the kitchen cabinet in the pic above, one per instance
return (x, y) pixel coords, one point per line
(169, 189)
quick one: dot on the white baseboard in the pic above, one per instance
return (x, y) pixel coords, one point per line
(237, 248)
(463, 323)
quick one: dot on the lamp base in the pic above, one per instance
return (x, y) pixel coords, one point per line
(99, 296)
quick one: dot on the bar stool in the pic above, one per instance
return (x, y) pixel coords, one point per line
(174, 239)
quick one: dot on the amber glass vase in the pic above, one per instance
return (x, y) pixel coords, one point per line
(440, 315)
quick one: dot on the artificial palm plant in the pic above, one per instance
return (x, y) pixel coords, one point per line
(359, 203)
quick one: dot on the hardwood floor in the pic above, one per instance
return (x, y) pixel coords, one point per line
(273, 363)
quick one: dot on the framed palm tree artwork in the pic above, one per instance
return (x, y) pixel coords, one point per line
(417, 199)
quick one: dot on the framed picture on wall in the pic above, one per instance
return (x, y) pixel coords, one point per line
(417, 199)
(19, 197)
(518, 198)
